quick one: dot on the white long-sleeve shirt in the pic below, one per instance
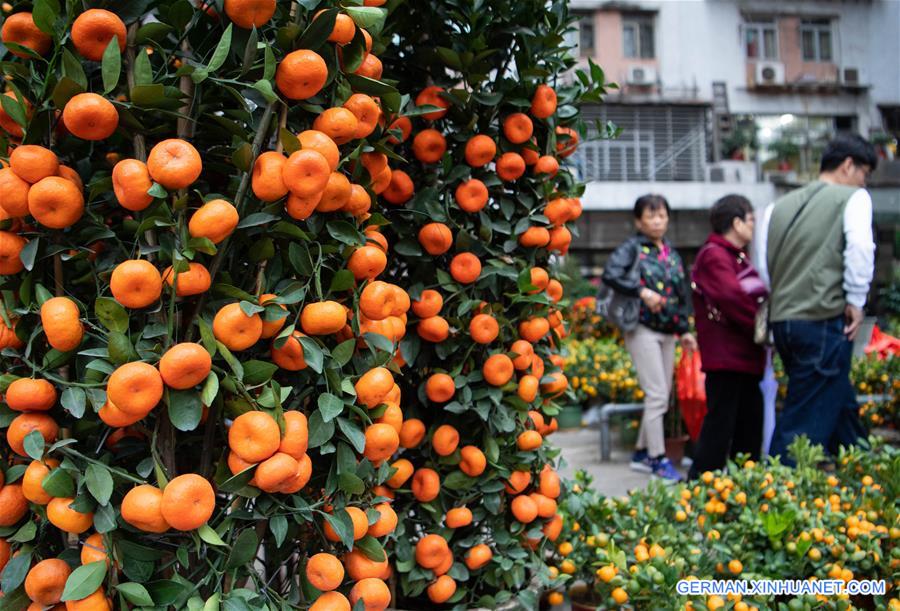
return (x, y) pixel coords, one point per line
(859, 247)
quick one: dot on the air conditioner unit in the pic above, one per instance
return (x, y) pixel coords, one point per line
(851, 76)
(729, 171)
(769, 73)
(641, 75)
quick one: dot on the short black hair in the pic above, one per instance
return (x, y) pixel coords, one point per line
(651, 202)
(854, 146)
(726, 209)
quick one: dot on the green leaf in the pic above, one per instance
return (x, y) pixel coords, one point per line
(34, 444)
(243, 157)
(58, 483)
(320, 432)
(317, 32)
(84, 580)
(73, 69)
(209, 535)
(257, 218)
(250, 51)
(351, 483)
(364, 84)
(278, 525)
(343, 352)
(185, 409)
(371, 548)
(143, 71)
(111, 67)
(64, 91)
(136, 594)
(99, 482)
(330, 406)
(111, 314)
(258, 372)
(206, 336)
(73, 400)
(353, 54)
(120, 349)
(210, 389)
(44, 15)
(369, 18)
(264, 86)
(343, 280)
(15, 571)
(28, 254)
(346, 232)
(157, 190)
(25, 534)
(244, 549)
(343, 526)
(221, 53)
(14, 109)
(354, 434)
(312, 353)
(238, 480)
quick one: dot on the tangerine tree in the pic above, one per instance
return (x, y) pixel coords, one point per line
(262, 346)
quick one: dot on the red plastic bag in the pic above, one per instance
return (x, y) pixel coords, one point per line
(690, 384)
(882, 344)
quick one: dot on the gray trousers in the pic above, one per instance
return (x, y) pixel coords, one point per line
(653, 355)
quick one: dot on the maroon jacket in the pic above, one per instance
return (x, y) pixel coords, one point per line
(724, 313)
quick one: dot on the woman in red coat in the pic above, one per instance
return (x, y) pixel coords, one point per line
(727, 295)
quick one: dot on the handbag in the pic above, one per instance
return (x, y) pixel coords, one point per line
(762, 327)
(621, 310)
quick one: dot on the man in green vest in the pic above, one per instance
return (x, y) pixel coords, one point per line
(818, 253)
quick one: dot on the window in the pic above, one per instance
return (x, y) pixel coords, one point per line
(815, 40)
(761, 40)
(637, 35)
(586, 34)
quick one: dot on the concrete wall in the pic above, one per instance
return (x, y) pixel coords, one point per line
(681, 195)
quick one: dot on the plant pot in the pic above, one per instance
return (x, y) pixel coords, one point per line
(584, 606)
(569, 417)
(675, 448)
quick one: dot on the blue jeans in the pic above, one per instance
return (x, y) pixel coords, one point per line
(820, 401)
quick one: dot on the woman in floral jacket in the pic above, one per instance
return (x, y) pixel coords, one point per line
(662, 287)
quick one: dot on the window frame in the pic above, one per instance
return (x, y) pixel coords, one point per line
(760, 26)
(816, 28)
(589, 17)
(637, 22)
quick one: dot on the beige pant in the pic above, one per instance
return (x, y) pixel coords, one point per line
(653, 355)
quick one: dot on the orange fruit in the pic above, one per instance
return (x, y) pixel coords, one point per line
(142, 508)
(301, 74)
(338, 123)
(174, 163)
(367, 262)
(386, 522)
(471, 195)
(566, 141)
(426, 485)
(435, 238)
(267, 181)
(440, 388)
(46, 580)
(67, 519)
(549, 483)
(94, 550)
(373, 387)
(274, 471)
(322, 144)
(534, 329)
(534, 237)
(336, 193)
(498, 369)
(429, 145)
(465, 268)
(13, 504)
(472, 461)
(344, 29)
(135, 283)
(306, 173)
(412, 433)
(33, 163)
(135, 388)
(192, 282)
(374, 593)
(30, 395)
(131, 181)
(553, 528)
(235, 329)
(524, 350)
(360, 525)
(300, 478)
(430, 96)
(543, 103)
(478, 556)
(254, 436)
(445, 440)
(429, 304)
(323, 318)
(92, 31)
(510, 166)
(33, 479)
(215, 220)
(271, 327)
(93, 602)
(185, 365)
(529, 440)
(382, 441)
(377, 300)
(20, 29)
(528, 388)
(433, 329)
(290, 355)
(404, 470)
(301, 208)
(404, 126)
(557, 386)
(325, 572)
(365, 109)
(558, 211)
(360, 566)
(250, 13)
(296, 434)
(484, 328)
(11, 246)
(480, 150)
(24, 424)
(431, 550)
(55, 202)
(400, 189)
(13, 193)
(546, 164)
(359, 202)
(8, 124)
(90, 117)
(458, 517)
(518, 128)
(331, 601)
(442, 589)
(188, 502)
(524, 509)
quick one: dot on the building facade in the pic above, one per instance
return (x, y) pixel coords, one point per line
(724, 96)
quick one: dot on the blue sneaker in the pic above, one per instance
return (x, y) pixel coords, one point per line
(640, 461)
(664, 469)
